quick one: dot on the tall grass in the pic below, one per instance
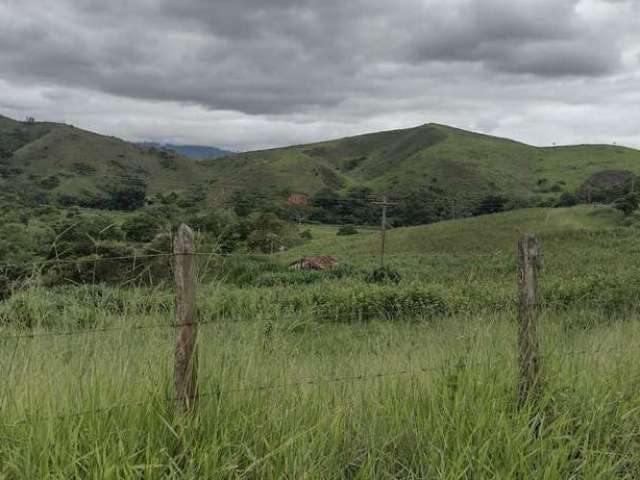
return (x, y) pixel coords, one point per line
(301, 399)
(327, 376)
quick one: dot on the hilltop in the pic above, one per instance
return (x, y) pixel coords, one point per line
(447, 160)
(49, 160)
(52, 160)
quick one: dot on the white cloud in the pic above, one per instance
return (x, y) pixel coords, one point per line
(247, 73)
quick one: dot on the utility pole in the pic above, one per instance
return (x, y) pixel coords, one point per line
(383, 227)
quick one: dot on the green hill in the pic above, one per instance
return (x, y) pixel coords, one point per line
(51, 159)
(450, 161)
(588, 255)
(48, 160)
(470, 236)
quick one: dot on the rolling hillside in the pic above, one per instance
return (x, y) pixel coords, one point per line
(448, 160)
(50, 159)
(60, 159)
(486, 235)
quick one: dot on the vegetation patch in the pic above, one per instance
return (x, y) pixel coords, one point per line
(361, 302)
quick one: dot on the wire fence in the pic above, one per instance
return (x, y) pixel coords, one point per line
(411, 371)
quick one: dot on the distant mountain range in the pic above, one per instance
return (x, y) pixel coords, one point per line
(197, 152)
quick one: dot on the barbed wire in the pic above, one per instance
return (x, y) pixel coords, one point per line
(95, 257)
(314, 381)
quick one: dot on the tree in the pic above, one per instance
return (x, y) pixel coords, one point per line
(567, 199)
(347, 230)
(627, 204)
(357, 207)
(297, 212)
(326, 206)
(244, 203)
(222, 228)
(127, 196)
(492, 203)
(269, 234)
(421, 207)
(141, 227)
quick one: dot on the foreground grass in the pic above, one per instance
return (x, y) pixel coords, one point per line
(292, 388)
(293, 398)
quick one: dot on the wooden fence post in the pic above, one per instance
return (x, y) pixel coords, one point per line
(186, 362)
(527, 334)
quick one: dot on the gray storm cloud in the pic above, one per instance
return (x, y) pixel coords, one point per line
(331, 63)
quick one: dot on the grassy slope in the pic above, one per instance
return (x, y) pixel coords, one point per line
(586, 252)
(461, 163)
(44, 149)
(482, 235)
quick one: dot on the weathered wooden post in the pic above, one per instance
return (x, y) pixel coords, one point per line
(186, 363)
(527, 334)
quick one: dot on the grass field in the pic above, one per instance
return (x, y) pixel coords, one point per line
(334, 377)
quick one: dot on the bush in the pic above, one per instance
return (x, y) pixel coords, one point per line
(384, 275)
(627, 204)
(347, 230)
(491, 204)
(141, 228)
(567, 199)
(108, 262)
(222, 227)
(78, 234)
(50, 182)
(269, 234)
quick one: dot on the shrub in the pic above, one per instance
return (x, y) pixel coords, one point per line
(627, 204)
(50, 182)
(269, 234)
(108, 262)
(491, 204)
(222, 228)
(567, 199)
(141, 228)
(127, 196)
(347, 230)
(383, 275)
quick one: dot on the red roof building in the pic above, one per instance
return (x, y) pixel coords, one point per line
(298, 199)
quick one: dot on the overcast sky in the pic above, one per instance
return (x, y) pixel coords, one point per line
(248, 74)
